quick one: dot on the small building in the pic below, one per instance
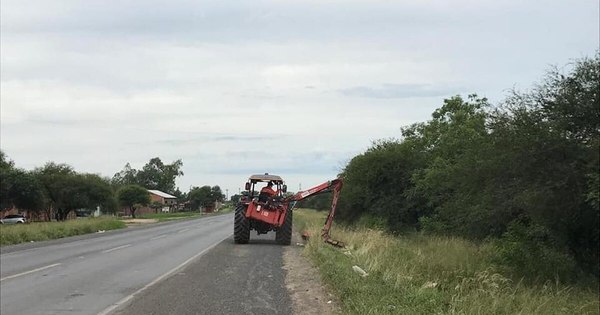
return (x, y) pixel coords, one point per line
(168, 202)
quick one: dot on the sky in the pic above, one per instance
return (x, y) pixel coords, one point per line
(234, 88)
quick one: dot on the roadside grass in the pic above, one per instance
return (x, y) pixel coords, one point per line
(169, 216)
(181, 215)
(419, 274)
(42, 231)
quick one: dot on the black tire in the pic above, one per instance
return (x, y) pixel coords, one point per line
(283, 235)
(241, 226)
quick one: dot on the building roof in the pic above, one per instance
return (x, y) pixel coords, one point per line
(161, 194)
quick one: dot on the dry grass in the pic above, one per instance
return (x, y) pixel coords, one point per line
(419, 274)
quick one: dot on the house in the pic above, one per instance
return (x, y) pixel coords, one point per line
(169, 201)
(156, 196)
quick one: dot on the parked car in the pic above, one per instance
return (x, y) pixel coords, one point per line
(13, 219)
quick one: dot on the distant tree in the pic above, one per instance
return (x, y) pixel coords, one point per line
(66, 190)
(157, 175)
(217, 194)
(235, 198)
(154, 175)
(127, 176)
(5, 163)
(20, 189)
(204, 196)
(52, 176)
(200, 197)
(132, 197)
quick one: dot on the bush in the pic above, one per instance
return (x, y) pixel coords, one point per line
(531, 252)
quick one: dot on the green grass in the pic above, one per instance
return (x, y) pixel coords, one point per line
(169, 216)
(419, 274)
(42, 231)
(181, 215)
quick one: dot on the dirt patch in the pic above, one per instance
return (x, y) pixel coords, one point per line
(139, 221)
(304, 284)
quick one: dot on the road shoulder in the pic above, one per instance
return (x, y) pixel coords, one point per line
(302, 280)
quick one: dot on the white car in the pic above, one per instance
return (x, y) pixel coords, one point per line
(13, 219)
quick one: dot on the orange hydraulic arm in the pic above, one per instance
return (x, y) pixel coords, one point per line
(334, 186)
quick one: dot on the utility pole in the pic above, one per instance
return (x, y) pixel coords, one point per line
(226, 194)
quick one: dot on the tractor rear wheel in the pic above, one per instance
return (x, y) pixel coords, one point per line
(241, 226)
(283, 235)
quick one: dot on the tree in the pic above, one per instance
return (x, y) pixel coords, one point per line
(526, 172)
(51, 176)
(5, 163)
(132, 197)
(235, 198)
(204, 196)
(217, 194)
(67, 190)
(20, 189)
(127, 176)
(154, 175)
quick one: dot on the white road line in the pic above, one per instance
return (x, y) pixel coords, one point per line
(160, 278)
(30, 271)
(157, 237)
(116, 248)
(180, 231)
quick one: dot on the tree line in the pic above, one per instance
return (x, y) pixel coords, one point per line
(523, 175)
(56, 189)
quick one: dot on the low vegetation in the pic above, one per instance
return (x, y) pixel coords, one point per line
(425, 274)
(170, 216)
(42, 231)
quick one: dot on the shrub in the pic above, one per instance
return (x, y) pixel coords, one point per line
(531, 252)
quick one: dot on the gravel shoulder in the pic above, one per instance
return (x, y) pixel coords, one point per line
(261, 277)
(304, 285)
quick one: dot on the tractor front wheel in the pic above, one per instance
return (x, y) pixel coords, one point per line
(283, 235)
(241, 226)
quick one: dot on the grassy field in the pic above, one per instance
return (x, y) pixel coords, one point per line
(181, 215)
(42, 231)
(169, 216)
(420, 274)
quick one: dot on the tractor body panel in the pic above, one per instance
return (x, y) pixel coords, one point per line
(270, 215)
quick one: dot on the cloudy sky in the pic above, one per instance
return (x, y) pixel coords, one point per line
(295, 88)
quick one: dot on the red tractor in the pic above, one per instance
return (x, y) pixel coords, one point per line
(263, 212)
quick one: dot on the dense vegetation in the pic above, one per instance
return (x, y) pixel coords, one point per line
(57, 190)
(523, 175)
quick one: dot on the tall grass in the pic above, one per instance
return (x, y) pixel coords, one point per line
(418, 274)
(41, 231)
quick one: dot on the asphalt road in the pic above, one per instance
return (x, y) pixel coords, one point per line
(229, 279)
(105, 273)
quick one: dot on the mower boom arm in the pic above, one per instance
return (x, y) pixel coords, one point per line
(334, 186)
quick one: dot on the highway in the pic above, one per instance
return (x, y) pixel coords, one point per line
(101, 274)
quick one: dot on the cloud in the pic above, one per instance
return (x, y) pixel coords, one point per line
(387, 91)
(172, 141)
(234, 88)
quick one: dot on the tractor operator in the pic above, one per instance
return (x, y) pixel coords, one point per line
(268, 190)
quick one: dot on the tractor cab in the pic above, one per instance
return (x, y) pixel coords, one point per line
(254, 192)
